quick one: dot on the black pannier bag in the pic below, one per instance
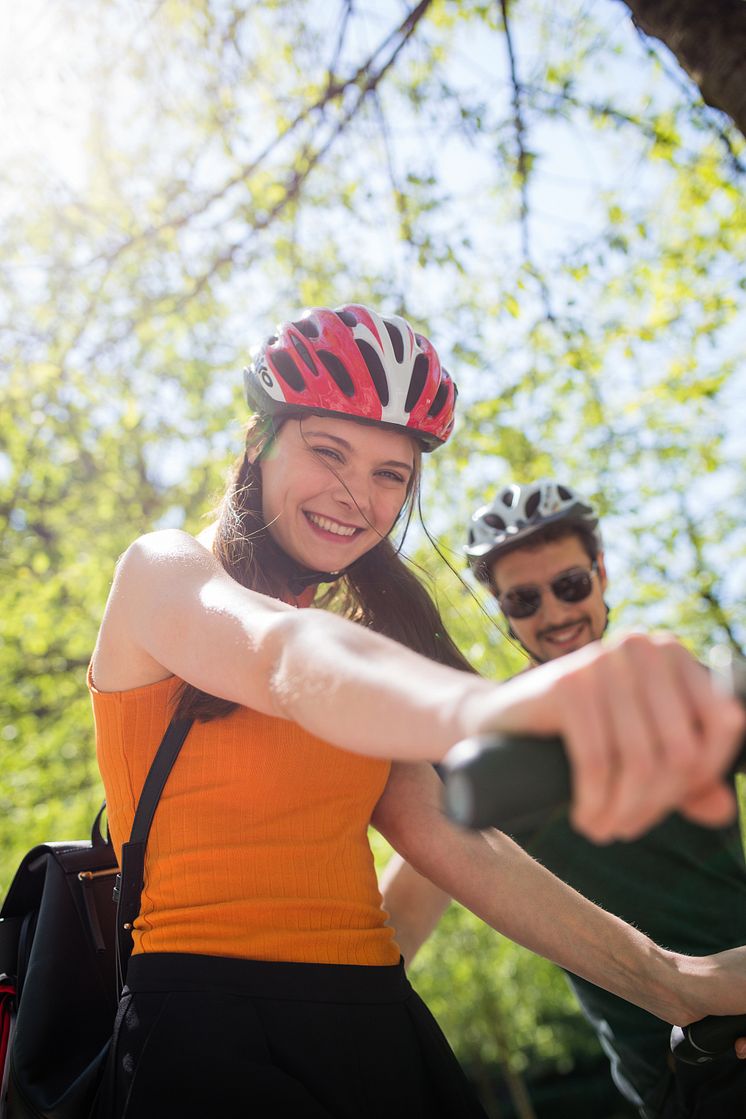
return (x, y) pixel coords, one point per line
(64, 943)
(57, 941)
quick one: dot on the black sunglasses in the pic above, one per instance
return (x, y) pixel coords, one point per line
(573, 586)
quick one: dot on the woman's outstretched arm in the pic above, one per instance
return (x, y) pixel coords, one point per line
(645, 729)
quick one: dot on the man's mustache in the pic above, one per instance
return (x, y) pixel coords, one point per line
(583, 619)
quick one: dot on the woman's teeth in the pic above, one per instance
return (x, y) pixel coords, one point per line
(331, 526)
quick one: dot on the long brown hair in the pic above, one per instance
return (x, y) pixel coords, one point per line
(379, 590)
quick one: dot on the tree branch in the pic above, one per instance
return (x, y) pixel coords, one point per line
(524, 162)
(365, 79)
(709, 42)
(707, 586)
(312, 157)
(647, 128)
(520, 133)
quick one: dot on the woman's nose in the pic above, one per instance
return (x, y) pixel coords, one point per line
(352, 491)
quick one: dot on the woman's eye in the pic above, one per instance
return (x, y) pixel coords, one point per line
(392, 476)
(328, 452)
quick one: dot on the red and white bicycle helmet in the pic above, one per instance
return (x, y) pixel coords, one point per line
(354, 363)
(517, 513)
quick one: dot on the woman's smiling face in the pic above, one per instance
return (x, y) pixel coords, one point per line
(332, 488)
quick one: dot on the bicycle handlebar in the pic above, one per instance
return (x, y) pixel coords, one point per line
(512, 782)
(516, 783)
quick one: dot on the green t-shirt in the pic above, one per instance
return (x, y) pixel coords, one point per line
(683, 885)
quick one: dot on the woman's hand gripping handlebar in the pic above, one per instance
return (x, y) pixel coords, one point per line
(515, 783)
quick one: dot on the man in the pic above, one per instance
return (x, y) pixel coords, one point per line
(538, 548)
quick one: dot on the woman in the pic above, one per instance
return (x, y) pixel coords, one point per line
(264, 980)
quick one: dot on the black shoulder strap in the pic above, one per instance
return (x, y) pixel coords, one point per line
(128, 889)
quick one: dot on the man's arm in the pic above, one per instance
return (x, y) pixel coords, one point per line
(414, 905)
(497, 880)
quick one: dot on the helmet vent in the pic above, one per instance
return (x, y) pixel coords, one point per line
(532, 504)
(347, 317)
(396, 340)
(307, 327)
(507, 498)
(440, 398)
(417, 383)
(564, 493)
(492, 521)
(289, 371)
(338, 373)
(376, 370)
(305, 355)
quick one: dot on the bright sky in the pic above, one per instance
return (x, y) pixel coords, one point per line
(43, 98)
(47, 108)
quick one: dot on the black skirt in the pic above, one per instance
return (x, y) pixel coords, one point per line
(203, 1035)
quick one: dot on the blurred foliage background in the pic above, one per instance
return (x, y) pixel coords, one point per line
(540, 187)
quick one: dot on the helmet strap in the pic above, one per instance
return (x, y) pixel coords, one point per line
(294, 575)
(304, 579)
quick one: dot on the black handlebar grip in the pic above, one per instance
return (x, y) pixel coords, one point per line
(509, 781)
(512, 782)
(708, 1039)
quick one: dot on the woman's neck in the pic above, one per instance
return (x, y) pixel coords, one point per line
(299, 583)
(301, 600)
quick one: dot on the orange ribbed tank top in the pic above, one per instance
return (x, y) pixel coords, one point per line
(259, 846)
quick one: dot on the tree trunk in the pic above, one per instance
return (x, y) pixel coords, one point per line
(709, 42)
